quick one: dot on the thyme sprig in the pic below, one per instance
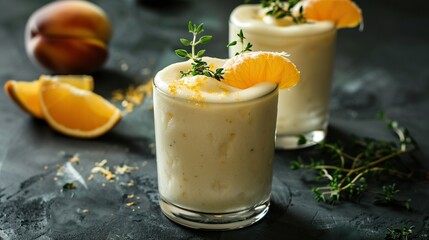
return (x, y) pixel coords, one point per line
(398, 234)
(345, 172)
(198, 65)
(284, 8)
(388, 197)
(244, 48)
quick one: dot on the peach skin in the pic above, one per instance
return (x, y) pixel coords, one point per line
(68, 37)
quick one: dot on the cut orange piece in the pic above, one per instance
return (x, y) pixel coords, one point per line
(84, 82)
(26, 94)
(76, 112)
(250, 68)
(344, 13)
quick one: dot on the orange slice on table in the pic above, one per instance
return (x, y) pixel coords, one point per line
(84, 82)
(344, 13)
(250, 68)
(76, 112)
(26, 94)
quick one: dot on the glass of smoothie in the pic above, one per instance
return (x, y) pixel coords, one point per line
(214, 148)
(303, 112)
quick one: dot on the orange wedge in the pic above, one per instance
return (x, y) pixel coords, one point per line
(76, 112)
(344, 13)
(250, 68)
(84, 82)
(26, 94)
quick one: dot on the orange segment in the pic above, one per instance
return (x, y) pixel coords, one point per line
(76, 112)
(344, 13)
(84, 82)
(250, 68)
(26, 94)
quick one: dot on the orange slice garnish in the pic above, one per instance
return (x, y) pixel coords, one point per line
(250, 68)
(76, 112)
(26, 94)
(344, 13)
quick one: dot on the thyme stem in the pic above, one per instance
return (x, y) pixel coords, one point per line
(346, 175)
(198, 66)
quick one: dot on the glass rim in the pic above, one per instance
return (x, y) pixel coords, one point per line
(281, 34)
(243, 17)
(186, 100)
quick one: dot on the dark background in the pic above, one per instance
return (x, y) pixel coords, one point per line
(384, 68)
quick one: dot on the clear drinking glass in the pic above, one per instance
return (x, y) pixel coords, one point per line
(214, 160)
(303, 111)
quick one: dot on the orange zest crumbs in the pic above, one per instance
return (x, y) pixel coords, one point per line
(100, 167)
(127, 184)
(74, 159)
(192, 86)
(133, 96)
(90, 177)
(105, 171)
(100, 171)
(172, 89)
(120, 170)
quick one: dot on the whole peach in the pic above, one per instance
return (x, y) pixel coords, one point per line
(68, 37)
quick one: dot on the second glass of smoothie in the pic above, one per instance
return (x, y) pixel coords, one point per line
(303, 111)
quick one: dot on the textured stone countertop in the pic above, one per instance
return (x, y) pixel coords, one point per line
(383, 68)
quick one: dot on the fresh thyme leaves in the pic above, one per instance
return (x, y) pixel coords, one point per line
(244, 48)
(388, 197)
(399, 234)
(198, 66)
(343, 173)
(281, 9)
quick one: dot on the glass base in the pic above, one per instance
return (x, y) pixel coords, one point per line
(293, 141)
(214, 221)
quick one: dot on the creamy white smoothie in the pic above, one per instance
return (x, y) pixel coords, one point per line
(214, 144)
(302, 110)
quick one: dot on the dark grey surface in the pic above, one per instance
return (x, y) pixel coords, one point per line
(383, 68)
